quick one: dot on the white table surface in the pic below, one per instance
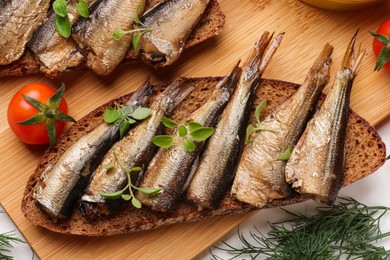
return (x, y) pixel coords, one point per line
(372, 190)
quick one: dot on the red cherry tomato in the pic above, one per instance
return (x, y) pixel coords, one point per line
(19, 110)
(384, 29)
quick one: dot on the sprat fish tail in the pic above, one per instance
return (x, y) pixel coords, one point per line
(317, 163)
(260, 176)
(216, 169)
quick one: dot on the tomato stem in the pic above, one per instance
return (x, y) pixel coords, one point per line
(48, 113)
(384, 54)
(51, 113)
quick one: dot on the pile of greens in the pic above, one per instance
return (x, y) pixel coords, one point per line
(6, 240)
(346, 230)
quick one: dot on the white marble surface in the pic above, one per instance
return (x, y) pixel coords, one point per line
(20, 250)
(372, 190)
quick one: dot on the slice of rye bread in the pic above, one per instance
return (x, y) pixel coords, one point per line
(209, 26)
(365, 153)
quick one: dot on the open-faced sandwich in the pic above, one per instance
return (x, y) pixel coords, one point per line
(80, 34)
(200, 147)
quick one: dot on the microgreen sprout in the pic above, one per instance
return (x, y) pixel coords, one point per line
(259, 127)
(61, 21)
(137, 32)
(190, 133)
(124, 116)
(130, 186)
(285, 156)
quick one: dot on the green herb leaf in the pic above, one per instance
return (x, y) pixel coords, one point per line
(140, 8)
(135, 42)
(121, 115)
(388, 157)
(260, 127)
(126, 197)
(182, 130)
(193, 126)
(136, 203)
(136, 169)
(124, 129)
(130, 196)
(62, 25)
(285, 156)
(163, 141)
(189, 145)
(82, 8)
(141, 113)
(258, 110)
(249, 130)
(169, 123)
(128, 110)
(202, 133)
(118, 34)
(60, 8)
(112, 195)
(149, 191)
(110, 115)
(131, 121)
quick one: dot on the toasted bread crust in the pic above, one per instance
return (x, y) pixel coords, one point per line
(209, 26)
(365, 153)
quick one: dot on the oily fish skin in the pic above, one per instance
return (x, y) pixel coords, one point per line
(95, 34)
(18, 20)
(63, 181)
(260, 174)
(319, 174)
(214, 174)
(55, 52)
(171, 167)
(168, 25)
(134, 150)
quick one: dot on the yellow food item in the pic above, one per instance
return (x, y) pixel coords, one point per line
(342, 5)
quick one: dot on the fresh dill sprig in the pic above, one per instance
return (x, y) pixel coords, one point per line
(6, 240)
(347, 229)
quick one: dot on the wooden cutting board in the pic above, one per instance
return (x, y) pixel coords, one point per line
(307, 30)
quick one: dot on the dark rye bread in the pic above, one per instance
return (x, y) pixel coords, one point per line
(365, 154)
(209, 26)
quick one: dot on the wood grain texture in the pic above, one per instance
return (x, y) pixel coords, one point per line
(307, 30)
